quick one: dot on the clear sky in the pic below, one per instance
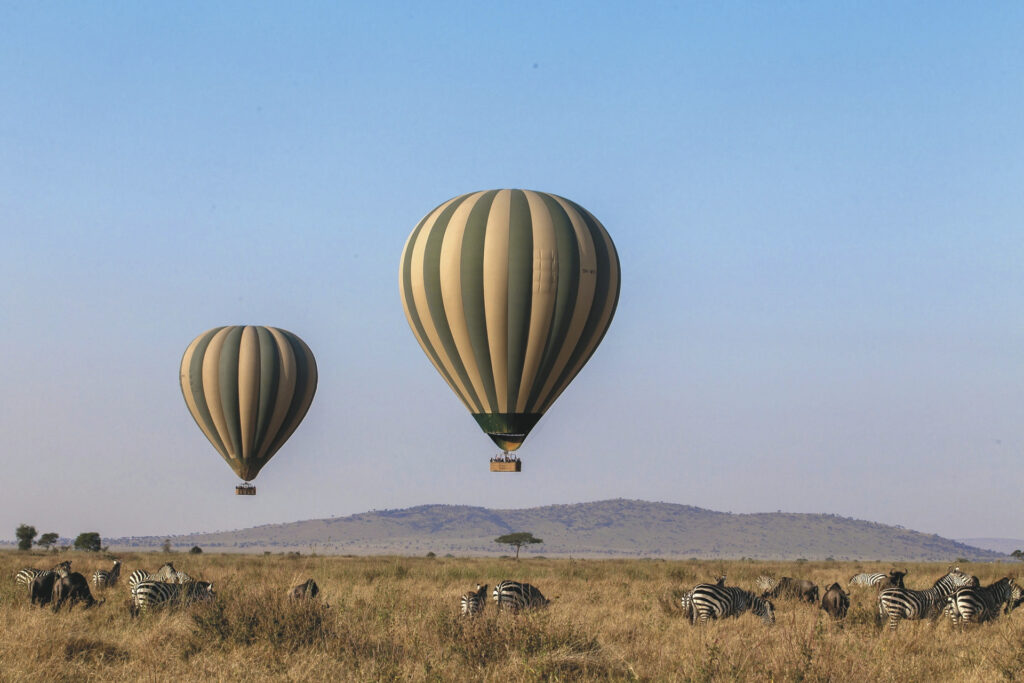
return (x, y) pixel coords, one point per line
(818, 209)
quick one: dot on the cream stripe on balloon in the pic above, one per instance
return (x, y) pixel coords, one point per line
(545, 285)
(248, 387)
(211, 389)
(189, 393)
(496, 293)
(606, 311)
(422, 306)
(286, 379)
(451, 294)
(581, 310)
(313, 378)
(408, 306)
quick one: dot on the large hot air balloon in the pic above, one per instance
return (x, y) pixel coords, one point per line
(248, 388)
(509, 292)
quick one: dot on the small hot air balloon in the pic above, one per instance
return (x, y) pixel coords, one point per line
(248, 388)
(509, 292)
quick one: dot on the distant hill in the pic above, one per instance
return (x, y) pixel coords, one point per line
(1000, 545)
(609, 528)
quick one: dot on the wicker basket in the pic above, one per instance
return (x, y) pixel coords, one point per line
(245, 490)
(502, 466)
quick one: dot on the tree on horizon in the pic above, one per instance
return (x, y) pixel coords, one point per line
(25, 533)
(518, 540)
(47, 539)
(89, 541)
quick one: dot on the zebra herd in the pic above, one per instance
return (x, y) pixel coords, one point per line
(508, 595)
(956, 594)
(59, 585)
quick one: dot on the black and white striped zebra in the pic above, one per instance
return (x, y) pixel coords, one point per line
(867, 579)
(165, 573)
(27, 575)
(177, 577)
(474, 603)
(893, 579)
(686, 600)
(903, 603)
(711, 601)
(518, 596)
(765, 583)
(983, 604)
(101, 578)
(152, 594)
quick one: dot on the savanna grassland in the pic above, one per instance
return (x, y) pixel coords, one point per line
(397, 618)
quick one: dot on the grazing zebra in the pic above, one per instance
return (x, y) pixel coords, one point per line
(903, 603)
(101, 578)
(893, 579)
(686, 600)
(150, 594)
(712, 601)
(982, 604)
(687, 604)
(518, 596)
(474, 603)
(26, 576)
(180, 577)
(165, 573)
(867, 579)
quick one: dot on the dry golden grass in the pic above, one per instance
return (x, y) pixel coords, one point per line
(397, 618)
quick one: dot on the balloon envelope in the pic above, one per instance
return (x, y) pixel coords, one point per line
(248, 388)
(509, 292)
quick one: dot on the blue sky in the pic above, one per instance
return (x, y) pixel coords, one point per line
(817, 208)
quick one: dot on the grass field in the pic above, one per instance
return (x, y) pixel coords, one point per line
(397, 618)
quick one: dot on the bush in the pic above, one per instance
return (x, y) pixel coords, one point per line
(196, 550)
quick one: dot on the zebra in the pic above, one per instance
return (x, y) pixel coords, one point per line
(903, 603)
(712, 601)
(102, 578)
(180, 577)
(165, 573)
(765, 583)
(518, 596)
(686, 599)
(150, 594)
(26, 576)
(982, 604)
(474, 603)
(893, 579)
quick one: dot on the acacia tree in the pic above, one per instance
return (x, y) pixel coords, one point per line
(88, 540)
(518, 539)
(25, 533)
(47, 539)
(1019, 554)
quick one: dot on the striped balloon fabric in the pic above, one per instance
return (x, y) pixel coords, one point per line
(248, 388)
(509, 292)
